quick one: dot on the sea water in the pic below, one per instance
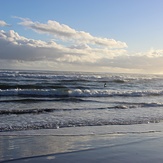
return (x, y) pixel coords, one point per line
(35, 100)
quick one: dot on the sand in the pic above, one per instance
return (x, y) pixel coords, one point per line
(85, 146)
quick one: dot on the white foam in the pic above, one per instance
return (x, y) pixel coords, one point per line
(78, 92)
(93, 130)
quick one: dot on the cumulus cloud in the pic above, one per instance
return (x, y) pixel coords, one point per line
(3, 23)
(20, 51)
(14, 46)
(84, 51)
(66, 33)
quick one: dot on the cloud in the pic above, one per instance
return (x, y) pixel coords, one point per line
(3, 23)
(19, 51)
(65, 33)
(13, 46)
(16, 47)
(146, 62)
(83, 53)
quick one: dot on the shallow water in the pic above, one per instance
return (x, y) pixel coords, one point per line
(102, 141)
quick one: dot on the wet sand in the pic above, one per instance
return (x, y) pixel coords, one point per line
(99, 147)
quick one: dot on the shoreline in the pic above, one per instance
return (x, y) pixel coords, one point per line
(89, 130)
(139, 143)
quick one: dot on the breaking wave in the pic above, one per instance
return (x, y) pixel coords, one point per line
(72, 123)
(65, 92)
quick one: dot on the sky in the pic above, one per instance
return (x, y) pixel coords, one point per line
(119, 36)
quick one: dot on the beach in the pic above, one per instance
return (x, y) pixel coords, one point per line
(81, 81)
(140, 143)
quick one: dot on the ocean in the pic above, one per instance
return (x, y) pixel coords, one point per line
(35, 100)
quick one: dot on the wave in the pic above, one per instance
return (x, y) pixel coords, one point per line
(47, 110)
(32, 100)
(72, 123)
(75, 76)
(50, 75)
(31, 86)
(120, 105)
(66, 92)
(26, 111)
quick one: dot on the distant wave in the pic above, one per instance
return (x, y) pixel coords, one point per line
(31, 86)
(47, 75)
(70, 76)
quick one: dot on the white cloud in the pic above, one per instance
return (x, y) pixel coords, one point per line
(83, 53)
(152, 53)
(14, 46)
(64, 32)
(3, 23)
(146, 62)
